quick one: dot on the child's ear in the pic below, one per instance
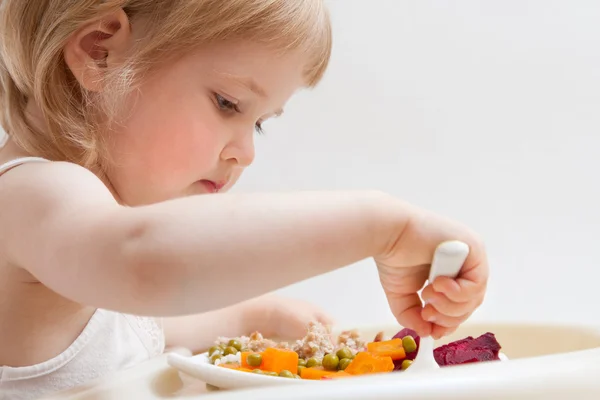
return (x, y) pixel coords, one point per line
(97, 46)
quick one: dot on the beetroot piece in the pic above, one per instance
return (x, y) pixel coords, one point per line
(398, 365)
(408, 332)
(468, 350)
(409, 356)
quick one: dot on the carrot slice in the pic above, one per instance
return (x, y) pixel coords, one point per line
(315, 373)
(277, 360)
(368, 363)
(337, 375)
(388, 348)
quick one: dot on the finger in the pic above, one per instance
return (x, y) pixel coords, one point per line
(445, 306)
(407, 310)
(325, 319)
(428, 293)
(431, 315)
(459, 290)
(290, 330)
(471, 280)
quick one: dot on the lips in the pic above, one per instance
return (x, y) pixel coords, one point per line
(211, 186)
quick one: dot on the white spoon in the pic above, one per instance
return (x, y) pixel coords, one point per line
(448, 259)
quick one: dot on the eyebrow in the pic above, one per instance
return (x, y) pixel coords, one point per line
(247, 81)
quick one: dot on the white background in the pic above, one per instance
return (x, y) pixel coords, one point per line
(486, 111)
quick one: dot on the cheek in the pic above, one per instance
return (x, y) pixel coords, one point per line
(167, 145)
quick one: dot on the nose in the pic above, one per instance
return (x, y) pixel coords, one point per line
(240, 150)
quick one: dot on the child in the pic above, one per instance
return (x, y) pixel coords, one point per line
(128, 121)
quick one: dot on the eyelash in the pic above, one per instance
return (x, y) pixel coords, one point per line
(227, 105)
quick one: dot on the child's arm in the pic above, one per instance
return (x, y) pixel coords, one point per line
(198, 332)
(182, 256)
(206, 252)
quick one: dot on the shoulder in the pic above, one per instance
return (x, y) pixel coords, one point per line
(42, 198)
(35, 194)
(36, 182)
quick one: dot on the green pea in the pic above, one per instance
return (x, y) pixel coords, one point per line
(406, 364)
(254, 360)
(297, 377)
(213, 349)
(286, 374)
(409, 344)
(330, 362)
(235, 343)
(271, 373)
(214, 357)
(344, 353)
(257, 371)
(301, 362)
(344, 362)
(312, 362)
(217, 351)
(230, 350)
(300, 368)
(223, 346)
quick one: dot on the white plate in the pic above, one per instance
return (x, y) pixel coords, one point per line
(200, 367)
(554, 377)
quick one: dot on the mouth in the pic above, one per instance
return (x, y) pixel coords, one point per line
(212, 186)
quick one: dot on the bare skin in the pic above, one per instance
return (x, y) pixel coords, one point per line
(151, 237)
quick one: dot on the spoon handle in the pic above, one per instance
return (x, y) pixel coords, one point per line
(448, 259)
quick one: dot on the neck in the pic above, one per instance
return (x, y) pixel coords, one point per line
(10, 150)
(107, 182)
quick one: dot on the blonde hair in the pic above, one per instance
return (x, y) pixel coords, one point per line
(32, 67)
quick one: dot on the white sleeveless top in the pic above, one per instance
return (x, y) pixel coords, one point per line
(110, 341)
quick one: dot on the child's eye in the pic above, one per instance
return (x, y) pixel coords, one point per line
(226, 105)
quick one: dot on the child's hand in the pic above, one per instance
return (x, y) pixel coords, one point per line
(273, 316)
(284, 318)
(405, 268)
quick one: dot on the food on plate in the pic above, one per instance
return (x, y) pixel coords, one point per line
(369, 363)
(330, 362)
(413, 341)
(321, 356)
(468, 350)
(277, 360)
(405, 364)
(393, 349)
